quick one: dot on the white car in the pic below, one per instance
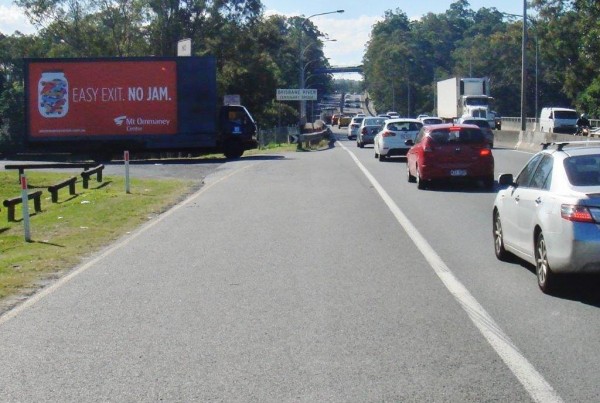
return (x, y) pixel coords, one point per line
(391, 140)
(549, 215)
(353, 127)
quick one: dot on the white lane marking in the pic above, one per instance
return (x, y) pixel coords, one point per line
(44, 292)
(533, 382)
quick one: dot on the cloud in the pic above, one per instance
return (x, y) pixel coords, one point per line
(13, 19)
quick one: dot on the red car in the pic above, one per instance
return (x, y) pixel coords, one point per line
(447, 152)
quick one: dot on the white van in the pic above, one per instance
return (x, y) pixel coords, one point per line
(558, 120)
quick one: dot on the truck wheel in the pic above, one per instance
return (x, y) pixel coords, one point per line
(233, 150)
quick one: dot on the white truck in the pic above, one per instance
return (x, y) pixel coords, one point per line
(459, 97)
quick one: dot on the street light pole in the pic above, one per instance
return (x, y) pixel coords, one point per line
(524, 69)
(301, 60)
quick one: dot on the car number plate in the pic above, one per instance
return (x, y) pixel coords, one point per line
(458, 172)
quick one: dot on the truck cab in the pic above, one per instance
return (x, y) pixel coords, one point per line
(238, 131)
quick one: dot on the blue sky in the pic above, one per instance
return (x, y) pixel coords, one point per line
(350, 29)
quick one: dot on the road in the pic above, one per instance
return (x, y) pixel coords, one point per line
(318, 276)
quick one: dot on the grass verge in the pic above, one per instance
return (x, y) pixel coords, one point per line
(78, 225)
(64, 232)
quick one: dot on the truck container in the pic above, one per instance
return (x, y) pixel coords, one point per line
(103, 106)
(458, 97)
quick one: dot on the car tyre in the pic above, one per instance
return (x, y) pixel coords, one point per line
(381, 157)
(545, 277)
(411, 178)
(499, 250)
(420, 182)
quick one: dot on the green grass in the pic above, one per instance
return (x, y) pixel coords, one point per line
(76, 226)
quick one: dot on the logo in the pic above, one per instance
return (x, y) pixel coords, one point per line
(119, 120)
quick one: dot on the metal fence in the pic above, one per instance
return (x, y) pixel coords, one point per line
(277, 135)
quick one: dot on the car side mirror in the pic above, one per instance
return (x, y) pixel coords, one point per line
(506, 180)
(409, 142)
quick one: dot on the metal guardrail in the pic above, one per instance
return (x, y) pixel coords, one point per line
(277, 135)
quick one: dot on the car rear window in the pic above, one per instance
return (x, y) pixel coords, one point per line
(462, 136)
(565, 115)
(480, 123)
(583, 170)
(432, 121)
(375, 121)
(404, 126)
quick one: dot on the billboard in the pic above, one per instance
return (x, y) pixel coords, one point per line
(89, 98)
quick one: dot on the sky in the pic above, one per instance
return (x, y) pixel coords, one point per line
(349, 29)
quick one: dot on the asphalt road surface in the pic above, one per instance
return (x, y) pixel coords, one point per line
(317, 276)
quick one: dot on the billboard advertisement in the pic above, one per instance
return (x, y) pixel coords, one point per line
(100, 98)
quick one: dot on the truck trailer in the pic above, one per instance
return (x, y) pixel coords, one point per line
(101, 107)
(458, 97)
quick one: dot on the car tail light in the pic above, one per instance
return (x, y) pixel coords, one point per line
(388, 133)
(484, 152)
(576, 213)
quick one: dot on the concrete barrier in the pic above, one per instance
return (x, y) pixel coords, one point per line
(531, 141)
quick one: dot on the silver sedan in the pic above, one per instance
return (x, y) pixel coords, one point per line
(549, 215)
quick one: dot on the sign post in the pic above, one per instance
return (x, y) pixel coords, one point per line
(25, 203)
(126, 159)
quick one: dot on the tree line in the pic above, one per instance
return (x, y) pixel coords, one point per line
(405, 58)
(256, 53)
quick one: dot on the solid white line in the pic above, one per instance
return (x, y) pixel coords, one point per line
(44, 292)
(533, 382)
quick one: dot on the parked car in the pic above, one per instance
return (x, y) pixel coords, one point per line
(448, 152)
(549, 215)
(391, 139)
(369, 127)
(431, 120)
(354, 126)
(483, 124)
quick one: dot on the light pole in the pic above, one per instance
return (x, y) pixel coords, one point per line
(301, 60)
(524, 66)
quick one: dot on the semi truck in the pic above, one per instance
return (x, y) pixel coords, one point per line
(458, 97)
(100, 107)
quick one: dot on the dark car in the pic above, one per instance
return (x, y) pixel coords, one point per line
(448, 152)
(485, 127)
(369, 128)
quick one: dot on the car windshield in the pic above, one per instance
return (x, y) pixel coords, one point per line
(432, 121)
(583, 170)
(462, 136)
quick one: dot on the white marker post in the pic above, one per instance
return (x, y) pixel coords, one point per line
(126, 159)
(25, 201)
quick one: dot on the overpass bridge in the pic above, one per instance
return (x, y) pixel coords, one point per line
(339, 69)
